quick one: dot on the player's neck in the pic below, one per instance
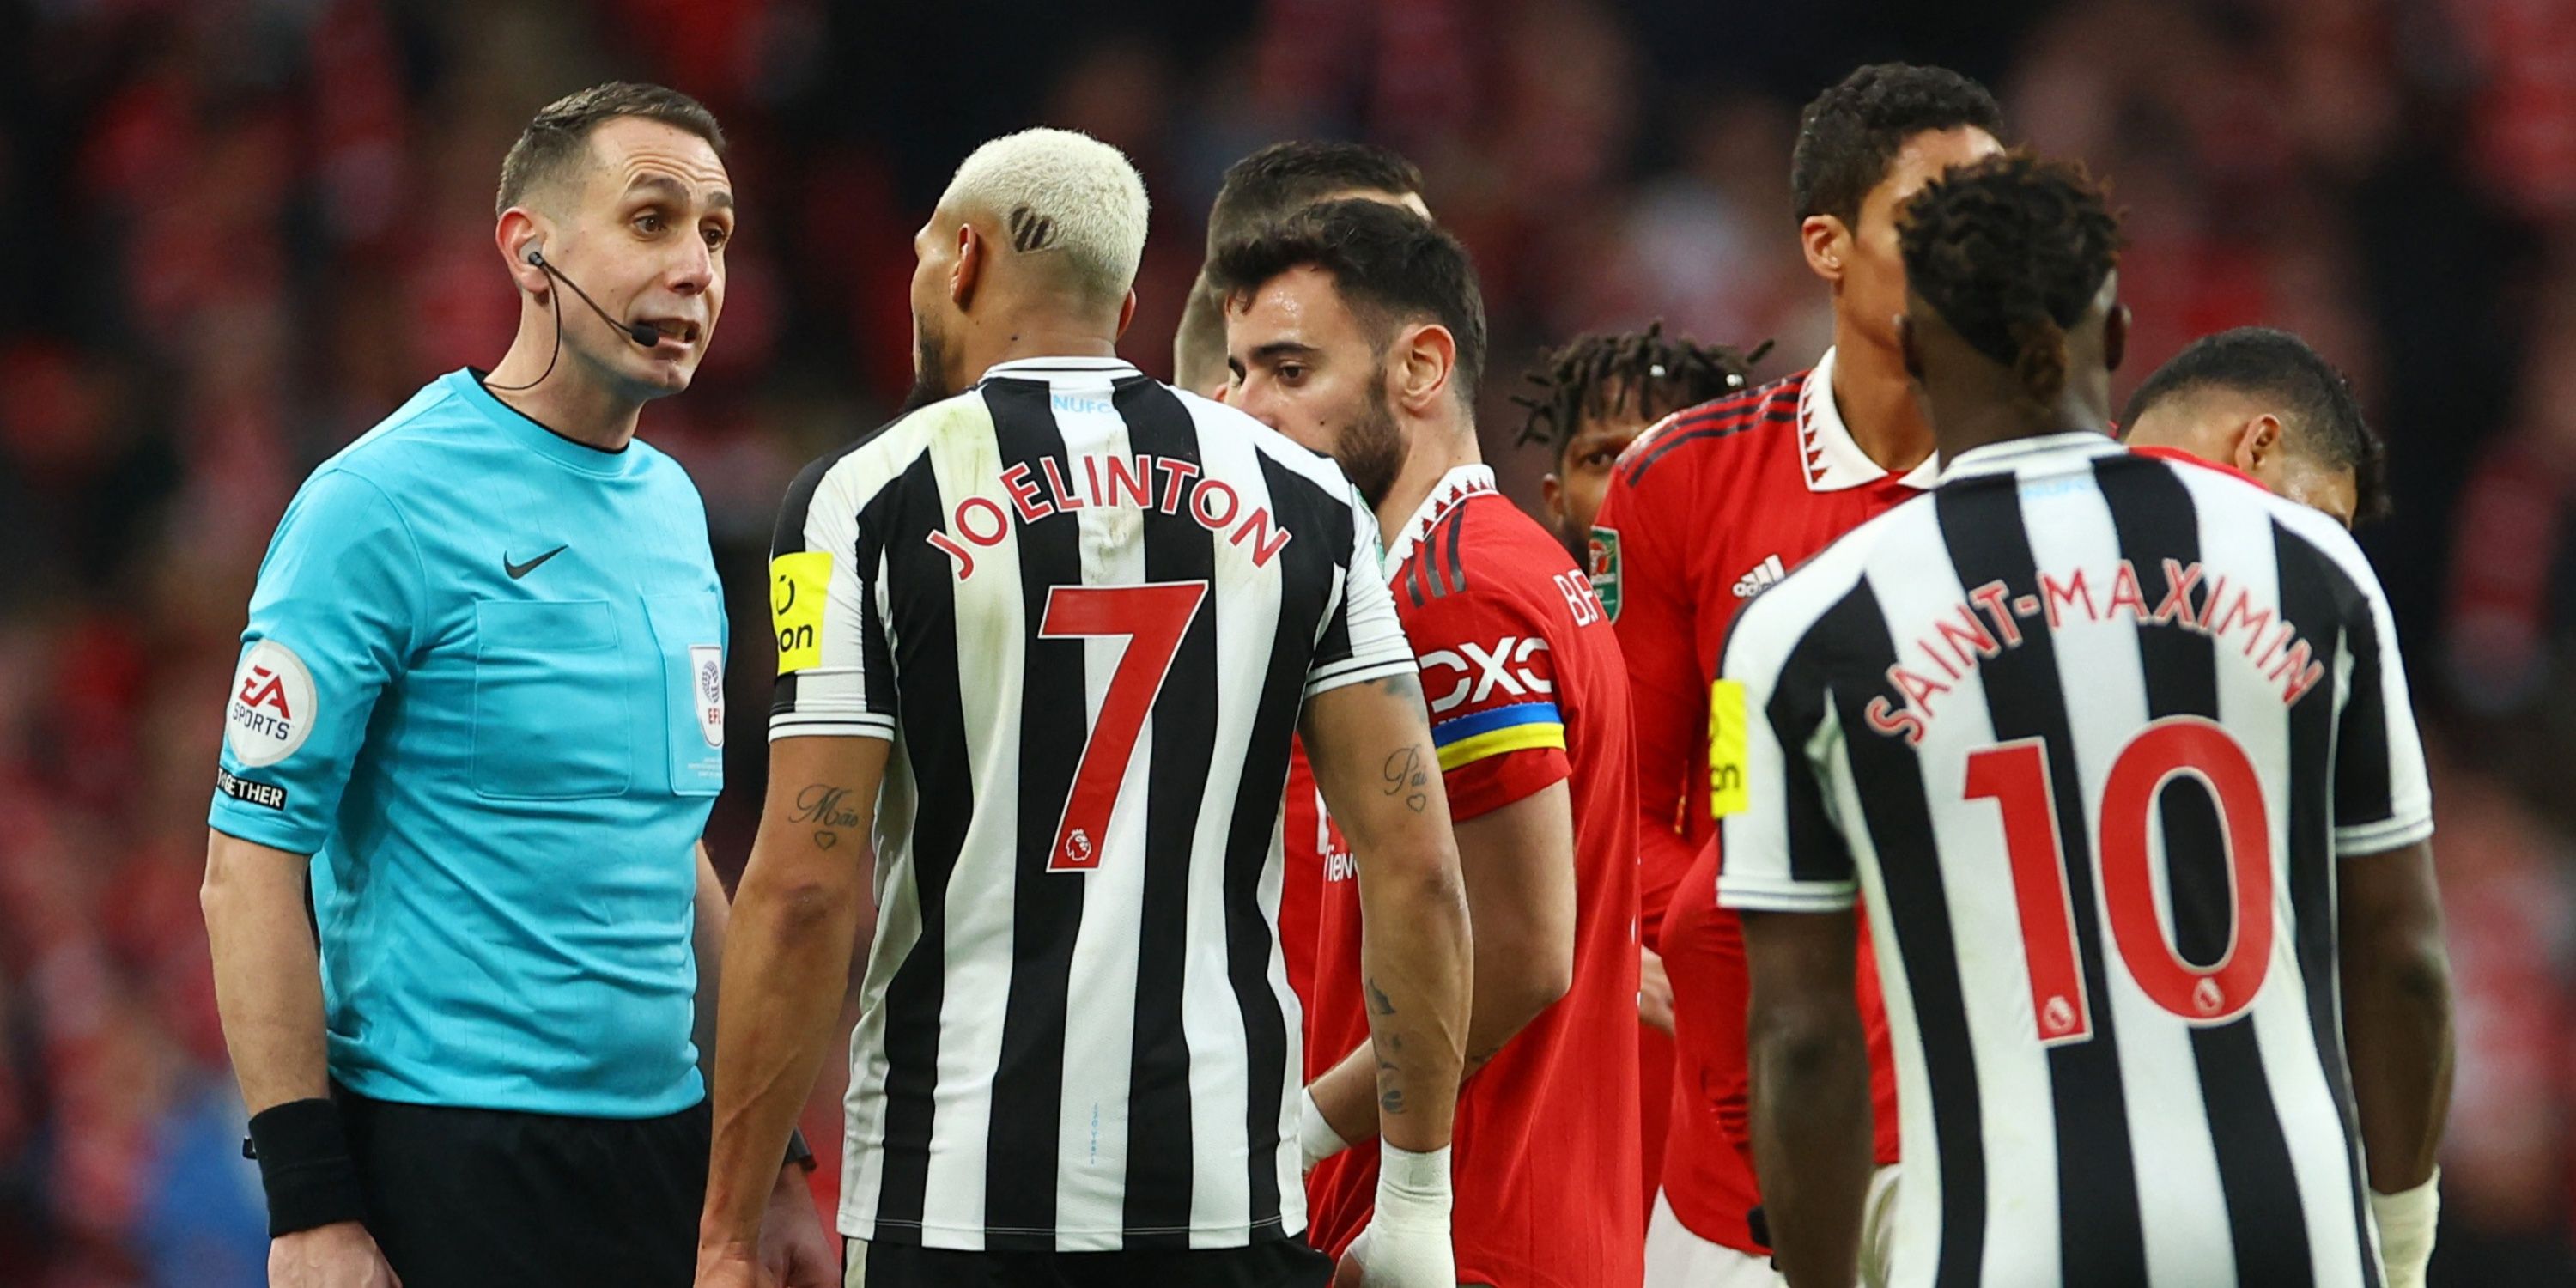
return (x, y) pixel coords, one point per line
(575, 400)
(1876, 403)
(1436, 450)
(1035, 335)
(1986, 418)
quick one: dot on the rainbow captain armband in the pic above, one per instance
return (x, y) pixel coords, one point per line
(1519, 726)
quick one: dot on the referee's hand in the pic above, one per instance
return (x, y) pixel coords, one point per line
(339, 1255)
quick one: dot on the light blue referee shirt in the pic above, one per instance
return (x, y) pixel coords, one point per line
(483, 685)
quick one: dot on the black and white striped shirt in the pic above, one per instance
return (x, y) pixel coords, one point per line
(1086, 608)
(2089, 732)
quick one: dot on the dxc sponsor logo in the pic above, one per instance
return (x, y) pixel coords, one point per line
(1483, 671)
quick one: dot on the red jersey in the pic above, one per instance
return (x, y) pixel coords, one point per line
(1522, 673)
(1314, 847)
(1705, 509)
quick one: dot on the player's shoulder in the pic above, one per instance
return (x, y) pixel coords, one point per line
(2220, 489)
(1478, 561)
(1724, 432)
(856, 470)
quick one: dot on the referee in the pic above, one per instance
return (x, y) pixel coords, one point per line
(478, 723)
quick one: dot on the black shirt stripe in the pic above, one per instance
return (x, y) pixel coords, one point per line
(2101, 1236)
(1028, 1083)
(1177, 548)
(2155, 519)
(925, 653)
(1897, 810)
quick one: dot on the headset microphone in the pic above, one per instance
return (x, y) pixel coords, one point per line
(643, 334)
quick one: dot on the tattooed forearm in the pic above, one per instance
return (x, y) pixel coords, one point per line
(828, 808)
(1379, 1002)
(1404, 774)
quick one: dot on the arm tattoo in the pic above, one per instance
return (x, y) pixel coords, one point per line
(1404, 773)
(1378, 1001)
(828, 809)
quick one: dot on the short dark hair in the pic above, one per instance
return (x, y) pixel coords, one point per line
(2010, 251)
(1389, 263)
(1273, 182)
(2317, 405)
(1852, 132)
(1600, 375)
(558, 137)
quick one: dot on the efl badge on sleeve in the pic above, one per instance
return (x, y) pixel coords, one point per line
(1727, 792)
(1601, 560)
(706, 690)
(797, 585)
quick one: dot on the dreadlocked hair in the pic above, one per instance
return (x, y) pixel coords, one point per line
(1640, 371)
(2010, 251)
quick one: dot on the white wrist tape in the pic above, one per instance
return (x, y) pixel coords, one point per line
(1412, 1190)
(2406, 1222)
(1316, 1138)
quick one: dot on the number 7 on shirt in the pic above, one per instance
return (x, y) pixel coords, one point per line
(1152, 618)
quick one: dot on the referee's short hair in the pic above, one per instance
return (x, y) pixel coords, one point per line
(2319, 413)
(557, 140)
(1390, 264)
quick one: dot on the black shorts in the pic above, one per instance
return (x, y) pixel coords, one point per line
(1277, 1263)
(485, 1198)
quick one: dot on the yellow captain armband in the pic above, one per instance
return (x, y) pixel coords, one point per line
(798, 584)
(1727, 792)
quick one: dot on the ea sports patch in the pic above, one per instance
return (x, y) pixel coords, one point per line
(1727, 790)
(797, 586)
(271, 711)
(1601, 561)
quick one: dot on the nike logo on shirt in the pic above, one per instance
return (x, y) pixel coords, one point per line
(518, 570)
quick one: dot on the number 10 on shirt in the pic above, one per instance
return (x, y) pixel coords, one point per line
(2016, 777)
(1152, 618)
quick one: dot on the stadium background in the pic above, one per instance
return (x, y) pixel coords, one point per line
(240, 231)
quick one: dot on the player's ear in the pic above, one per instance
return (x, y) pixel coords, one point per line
(1551, 494)
(1428, 361)
(1826, 242)
(2257, 443)
(1126, 312)
(968, 272)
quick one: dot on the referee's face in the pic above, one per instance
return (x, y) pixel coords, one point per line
(655, 214)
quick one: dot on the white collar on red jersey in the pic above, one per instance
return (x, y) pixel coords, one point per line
(1455, 486)
(1834, 461)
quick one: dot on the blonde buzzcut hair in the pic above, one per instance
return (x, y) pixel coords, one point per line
(1059, 193)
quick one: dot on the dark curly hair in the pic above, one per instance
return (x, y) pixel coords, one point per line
(2010, 251)
(1640, 371)
(1852, 132)
(1390, 265)
(2322, 416)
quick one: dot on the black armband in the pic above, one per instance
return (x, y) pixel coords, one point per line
(800, 1153)
(305, 1166)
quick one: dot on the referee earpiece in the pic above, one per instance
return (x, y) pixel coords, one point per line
(536, 256)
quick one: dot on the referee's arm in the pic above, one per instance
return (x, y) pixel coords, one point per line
(803, 902)
(268, 976)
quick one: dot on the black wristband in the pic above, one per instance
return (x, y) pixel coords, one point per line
(305, 1166)
(800, 1153)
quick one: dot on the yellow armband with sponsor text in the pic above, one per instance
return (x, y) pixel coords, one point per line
(1726, 786)
(798, 584)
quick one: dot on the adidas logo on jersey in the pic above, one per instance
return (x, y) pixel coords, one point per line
(1763, 574)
